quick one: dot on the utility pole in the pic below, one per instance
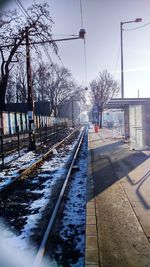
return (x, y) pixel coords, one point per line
(72, 111)
(30, 103)
(122, 70)
(1, 137)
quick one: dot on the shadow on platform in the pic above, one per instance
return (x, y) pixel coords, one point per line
(104, 170)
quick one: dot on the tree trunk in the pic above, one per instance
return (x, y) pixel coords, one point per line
(3, 86)
(100, 122)
(55, 112)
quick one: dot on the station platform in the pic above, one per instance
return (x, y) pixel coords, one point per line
(118, 203)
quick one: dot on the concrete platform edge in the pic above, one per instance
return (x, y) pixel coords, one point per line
(92, 258)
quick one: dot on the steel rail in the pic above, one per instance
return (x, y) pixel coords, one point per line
(25, 173)
(42, 248)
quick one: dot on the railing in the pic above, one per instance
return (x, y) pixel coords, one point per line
(14, 130)
(118, 130)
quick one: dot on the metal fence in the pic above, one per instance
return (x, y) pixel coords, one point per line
(14, 130)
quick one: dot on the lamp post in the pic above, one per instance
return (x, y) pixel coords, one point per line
(121, 36)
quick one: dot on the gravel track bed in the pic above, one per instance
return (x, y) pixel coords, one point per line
(27, 209)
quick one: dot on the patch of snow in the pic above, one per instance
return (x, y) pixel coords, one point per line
(52, 171)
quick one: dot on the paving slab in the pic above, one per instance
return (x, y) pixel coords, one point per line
(119, 191)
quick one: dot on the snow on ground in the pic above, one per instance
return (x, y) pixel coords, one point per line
(14, 257)
(14, 164)
(12, 168)
(13, 156)
(51, 171)
(70, 242)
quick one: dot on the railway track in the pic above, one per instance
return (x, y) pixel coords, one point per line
(21, 171)
(45, 178)
(57, 205)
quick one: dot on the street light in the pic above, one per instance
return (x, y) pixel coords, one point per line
(121, 35)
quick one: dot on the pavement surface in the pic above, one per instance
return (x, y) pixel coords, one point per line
(118, 203)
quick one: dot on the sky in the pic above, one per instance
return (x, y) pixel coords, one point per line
(101, 20)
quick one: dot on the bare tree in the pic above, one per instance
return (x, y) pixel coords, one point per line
(55, 84)
(61, 87)
(20, 80)
(21, 85)
(10, 94)
(63, 90)
(41, 81)
(103, 88)
(13, 34)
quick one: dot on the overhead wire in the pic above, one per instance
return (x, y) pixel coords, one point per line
(136, 28)
(85, 61)
(22, 8)
(60, 34)
(85, 56)
(132, 29)
(81, 13)
(139, 27)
